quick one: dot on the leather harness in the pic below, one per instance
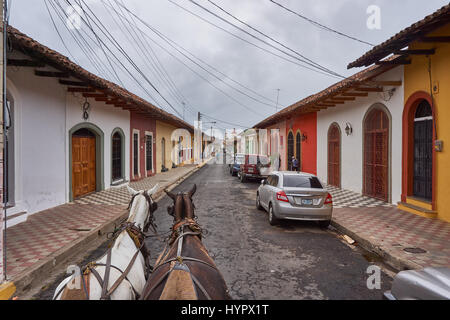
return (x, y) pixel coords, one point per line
(138, 236)
(178, 235)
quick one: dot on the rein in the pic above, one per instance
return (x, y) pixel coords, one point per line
(178, 234)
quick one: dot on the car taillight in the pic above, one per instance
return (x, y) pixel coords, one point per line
(329, 199)
(281, 196)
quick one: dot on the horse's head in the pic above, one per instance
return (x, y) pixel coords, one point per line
(183, 207)
(142, 207)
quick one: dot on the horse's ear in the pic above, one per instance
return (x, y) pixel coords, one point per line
(170, 194)
(132, 191)
(153, 190)
(192, 192)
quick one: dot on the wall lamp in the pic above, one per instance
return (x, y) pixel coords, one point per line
(348, 129)
(304, 137)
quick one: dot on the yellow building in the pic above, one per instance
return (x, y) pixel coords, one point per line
(173, 145)
(426, 113)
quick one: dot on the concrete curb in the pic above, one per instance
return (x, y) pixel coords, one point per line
(36, 274)
(393, 261)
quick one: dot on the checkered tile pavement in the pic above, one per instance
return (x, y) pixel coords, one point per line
(119, 195)
(349, 199)
(48, 231)
(394, 230)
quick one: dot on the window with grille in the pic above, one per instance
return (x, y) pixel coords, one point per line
(149, 153)
(135, 154)
(117, 156)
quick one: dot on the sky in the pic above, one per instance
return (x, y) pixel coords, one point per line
(253, 72)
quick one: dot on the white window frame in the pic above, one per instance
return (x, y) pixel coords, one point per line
(149, 134)
(138, 132)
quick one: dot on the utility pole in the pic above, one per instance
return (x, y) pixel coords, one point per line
(184, 110)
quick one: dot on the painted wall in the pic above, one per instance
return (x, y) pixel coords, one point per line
(354, 112)
(107, 118)
(417, 79)
(165, 130)
(281, 126)
(44, 113)
(305, 124)
(40, 163)
(143, 125)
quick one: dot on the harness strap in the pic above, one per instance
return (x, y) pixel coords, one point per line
(123, 275)
(201, 287)
(187, 259)
(144, 297)
(104, 295)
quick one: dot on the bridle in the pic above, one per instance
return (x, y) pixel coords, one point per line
(178, 235)
(138, 236)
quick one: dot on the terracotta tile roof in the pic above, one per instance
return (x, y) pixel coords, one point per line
(54, 59)
(359, 78)
(404, 37)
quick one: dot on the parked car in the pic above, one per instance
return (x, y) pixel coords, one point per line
(254, 167)
(426, 284)
(236, 165)
(295, 196)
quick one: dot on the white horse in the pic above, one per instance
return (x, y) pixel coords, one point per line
(124, 250)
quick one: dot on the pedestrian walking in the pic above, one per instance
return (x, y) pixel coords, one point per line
(294, 164)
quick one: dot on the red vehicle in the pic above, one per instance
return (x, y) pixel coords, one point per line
(254, 167)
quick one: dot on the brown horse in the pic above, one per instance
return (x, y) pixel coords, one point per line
(184, 270)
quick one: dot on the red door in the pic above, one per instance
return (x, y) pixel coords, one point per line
(376, 155)
(334, 156)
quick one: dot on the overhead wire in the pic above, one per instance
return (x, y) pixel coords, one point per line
(320, 25)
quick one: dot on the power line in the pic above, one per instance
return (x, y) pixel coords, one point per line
(111, 38)
(251, 43)
(319, 24)
(269, 37)
(303, 58)
(206, 80)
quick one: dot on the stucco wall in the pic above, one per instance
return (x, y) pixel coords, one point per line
(417, 79)
(143, 125)
(354, 112)
(44, 113)
(106, 118)
(40, 180)
(307, 125)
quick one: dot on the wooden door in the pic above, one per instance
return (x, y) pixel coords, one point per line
(83, 166)
(334, 156)
(376, 155)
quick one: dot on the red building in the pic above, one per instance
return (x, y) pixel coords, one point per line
(143, 147)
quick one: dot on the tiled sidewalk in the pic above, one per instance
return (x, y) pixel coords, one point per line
(390, 231)
(48, 231)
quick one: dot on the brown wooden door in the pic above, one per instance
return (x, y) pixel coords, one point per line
(376, 155)
(334, 156)
(83, 166)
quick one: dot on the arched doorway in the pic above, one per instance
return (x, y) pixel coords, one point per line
(423, 152)
(376, 154)
(334, 156)
(117, 155)
(298, 149)
(86, 160)
(290, 149)
(83, 162)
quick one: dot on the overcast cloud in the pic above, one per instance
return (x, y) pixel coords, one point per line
(254, 68)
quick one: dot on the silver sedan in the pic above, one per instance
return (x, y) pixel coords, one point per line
(295, 196)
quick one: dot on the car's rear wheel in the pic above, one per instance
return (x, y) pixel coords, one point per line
(324, 224)
(258, 202)
(272, 219)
